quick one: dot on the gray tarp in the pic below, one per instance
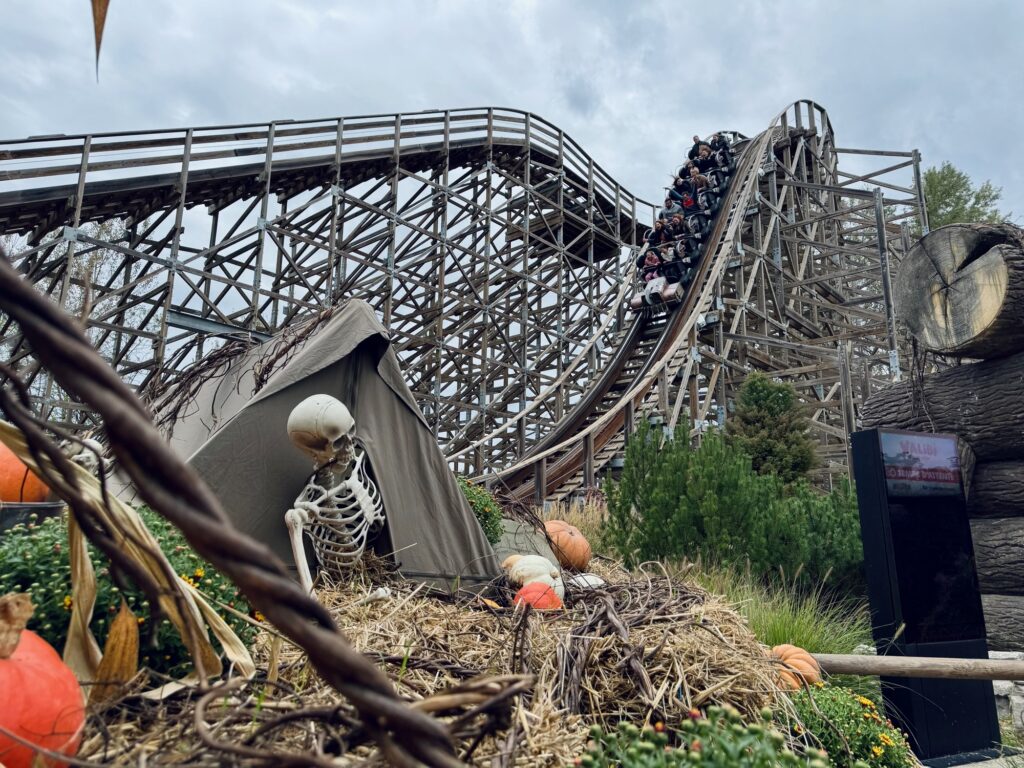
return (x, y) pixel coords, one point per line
(238, 442)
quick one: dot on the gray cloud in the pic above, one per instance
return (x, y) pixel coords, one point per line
(629, 81)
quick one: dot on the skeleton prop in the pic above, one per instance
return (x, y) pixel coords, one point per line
(340, 507)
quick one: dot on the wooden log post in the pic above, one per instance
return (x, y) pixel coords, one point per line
(999, 555)
(960, 290)
(997, 490)
(982, 403)
(921, 666)
(1004, 622)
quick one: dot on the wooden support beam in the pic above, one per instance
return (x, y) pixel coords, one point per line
(540, 481)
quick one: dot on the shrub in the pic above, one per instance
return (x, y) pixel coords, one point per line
(485, 507)
(770, 426)
(674, 501)
(833, 533)
(35, 560)
(720, 740)
(850, 728)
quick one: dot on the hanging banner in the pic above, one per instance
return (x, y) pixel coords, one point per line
(920, 464)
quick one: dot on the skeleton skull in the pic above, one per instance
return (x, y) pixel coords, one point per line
(320, 426)
(340, 507)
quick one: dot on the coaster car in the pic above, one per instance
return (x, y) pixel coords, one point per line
(658, 291)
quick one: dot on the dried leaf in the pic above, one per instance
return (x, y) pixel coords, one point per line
(120, 659)
(81, 651)
(99, 19)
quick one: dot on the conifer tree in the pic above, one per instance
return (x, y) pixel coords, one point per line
(770, 426)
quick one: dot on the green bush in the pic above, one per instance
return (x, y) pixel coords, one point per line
(674, 501)
(770, 426)
(35, 560)
(485, 507)
(720, 740)
(850, 728)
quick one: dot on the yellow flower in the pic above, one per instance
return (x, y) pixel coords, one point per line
(199, 573)
(866, 702)
(877, 751)
(885, 739)
(260, 616)
(67, 602)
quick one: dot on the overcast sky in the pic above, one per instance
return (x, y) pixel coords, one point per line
(631, 81)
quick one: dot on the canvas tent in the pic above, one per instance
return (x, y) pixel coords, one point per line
(236, 438)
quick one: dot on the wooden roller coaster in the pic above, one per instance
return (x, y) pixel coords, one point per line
(499, 255)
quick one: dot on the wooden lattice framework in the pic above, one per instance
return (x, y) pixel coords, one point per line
(496, 251)
(489, 243)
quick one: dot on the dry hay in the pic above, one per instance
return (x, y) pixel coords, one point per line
(519, 687)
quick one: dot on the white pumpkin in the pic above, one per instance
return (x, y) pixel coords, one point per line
(525, 569)
(585, 581)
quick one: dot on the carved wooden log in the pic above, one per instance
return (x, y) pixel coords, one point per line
(1004, 621)
(982, 403)
(960, 290)
(997, 490)
(999, 554)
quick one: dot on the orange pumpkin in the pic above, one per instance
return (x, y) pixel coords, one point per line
(799, 668)
(538, 594)
(48, 708)
(569, 545)
(17, 482)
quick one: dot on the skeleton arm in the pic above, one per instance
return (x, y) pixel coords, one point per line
(296, 520)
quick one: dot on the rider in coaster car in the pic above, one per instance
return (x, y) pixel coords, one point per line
(680, 187)
(695, 149)
(658, 235)
(719, 142)
(721, 150)
(676, 228)
(705, 162)
(690, 204)
(652, 265)
(671, 208)
(698, 181)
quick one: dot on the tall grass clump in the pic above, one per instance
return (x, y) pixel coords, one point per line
(780, 612)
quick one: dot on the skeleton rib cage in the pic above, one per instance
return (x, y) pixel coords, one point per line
(341, 517)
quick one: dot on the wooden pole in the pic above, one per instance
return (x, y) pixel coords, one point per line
(883, 260)
(919, 666)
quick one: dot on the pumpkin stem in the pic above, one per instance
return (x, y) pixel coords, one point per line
(15, 611)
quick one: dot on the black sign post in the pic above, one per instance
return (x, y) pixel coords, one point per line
(923, 589)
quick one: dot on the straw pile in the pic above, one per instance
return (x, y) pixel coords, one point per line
(518, 688)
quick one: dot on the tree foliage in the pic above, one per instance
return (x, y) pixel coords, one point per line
(770, 426)
(951, 198)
